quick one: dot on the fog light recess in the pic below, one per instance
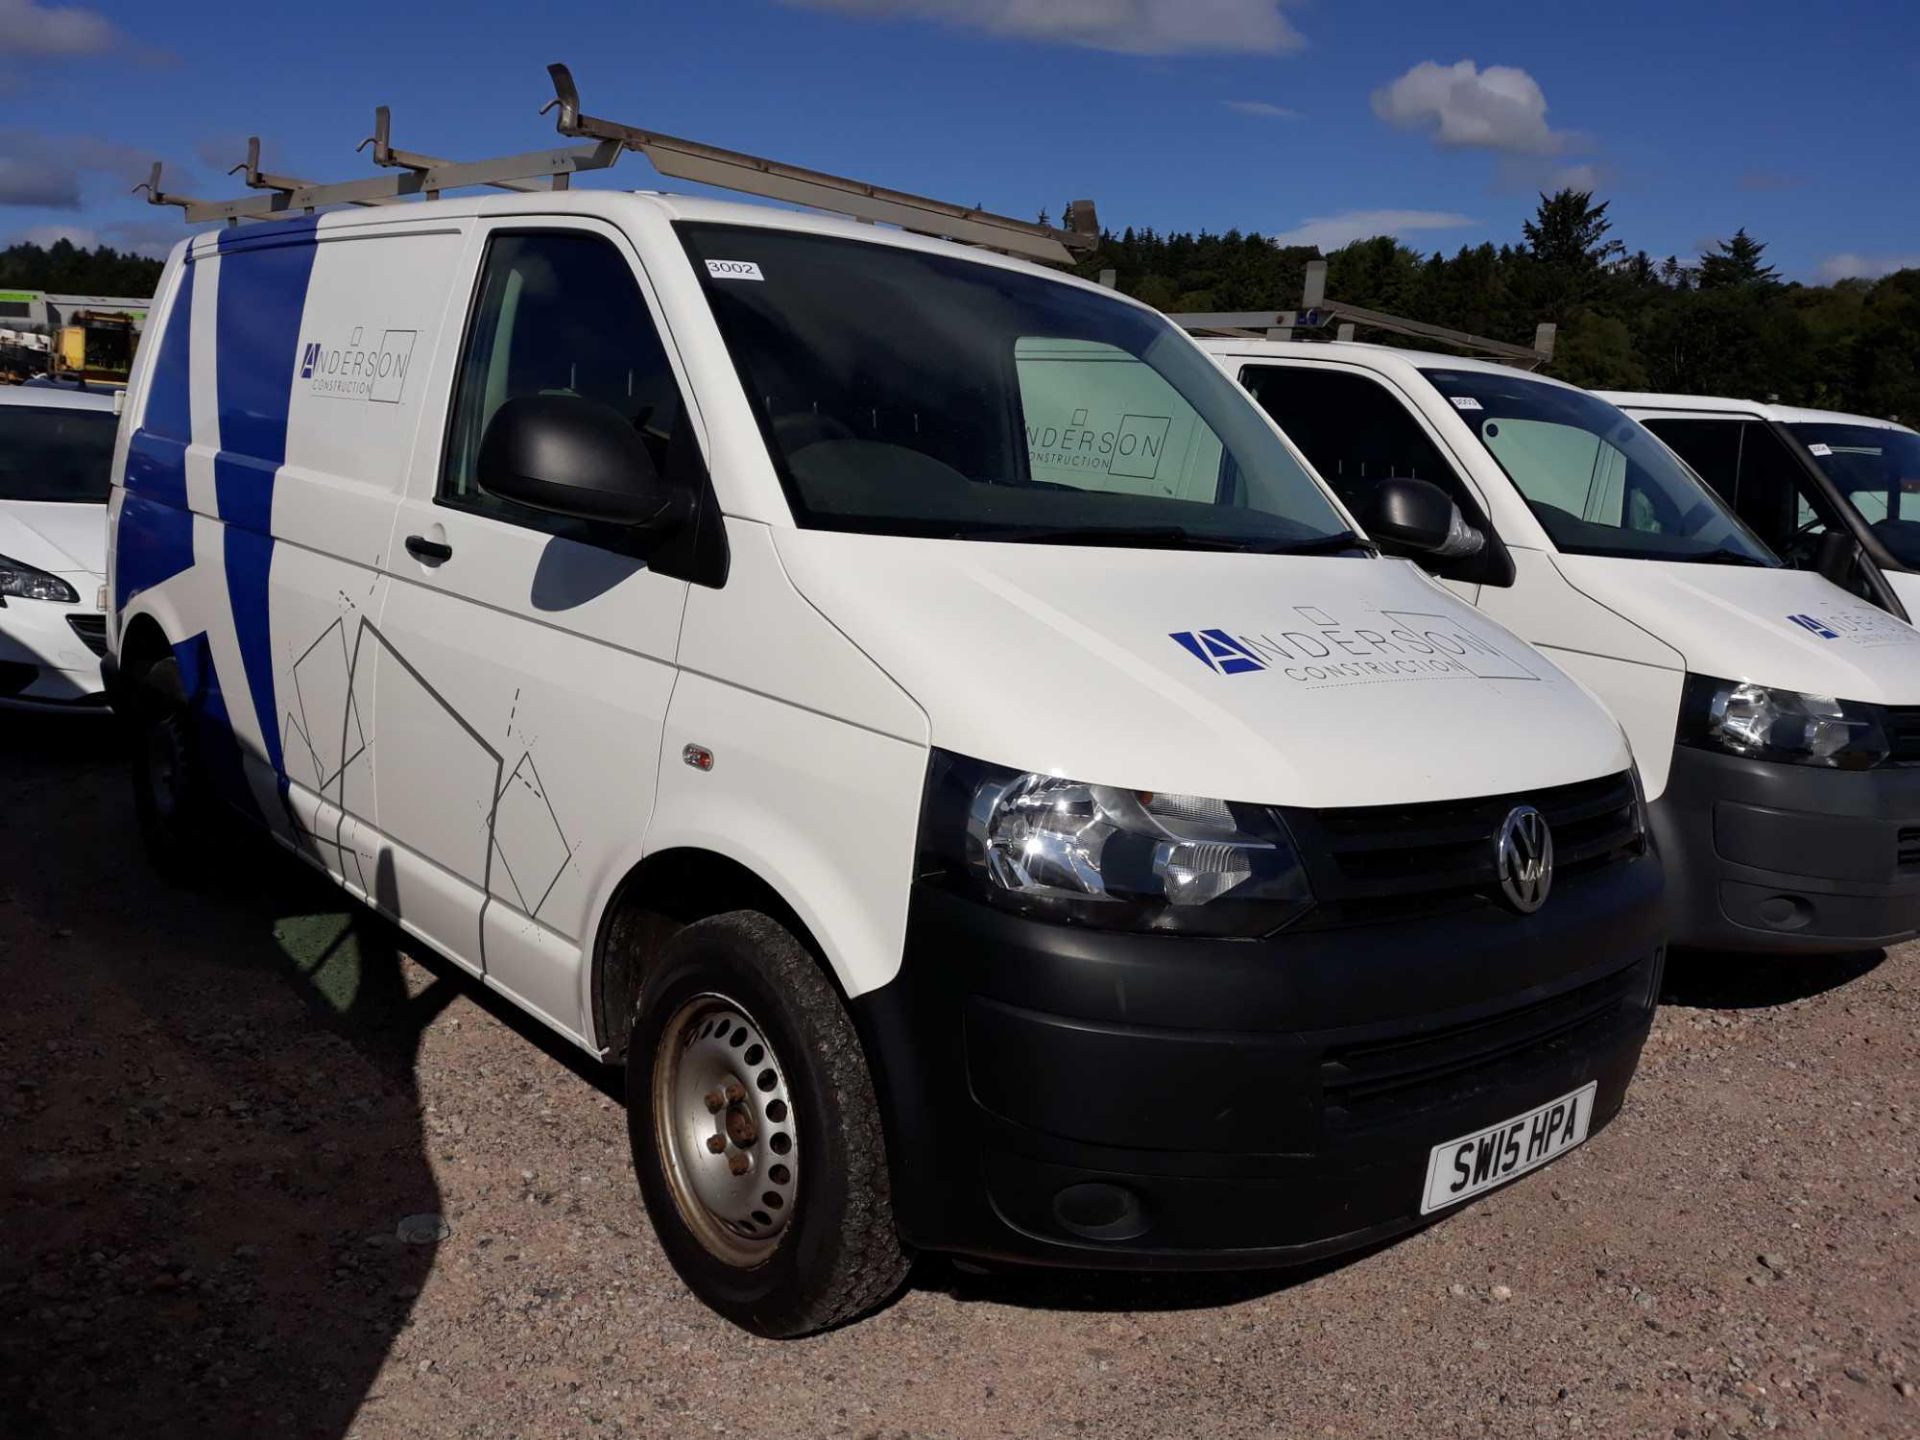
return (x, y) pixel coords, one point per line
(1095, 1210)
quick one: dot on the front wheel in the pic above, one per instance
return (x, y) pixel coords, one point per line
(756, 1133)
(171, 795)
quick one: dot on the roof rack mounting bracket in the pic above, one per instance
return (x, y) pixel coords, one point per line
(1317, 312)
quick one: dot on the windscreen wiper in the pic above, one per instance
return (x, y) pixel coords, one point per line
(1318, 545)
(1724, 556)
(1171, 537)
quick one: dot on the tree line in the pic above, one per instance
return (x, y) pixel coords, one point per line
(1722, 323)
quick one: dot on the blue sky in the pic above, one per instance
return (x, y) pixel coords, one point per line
(1317, 120)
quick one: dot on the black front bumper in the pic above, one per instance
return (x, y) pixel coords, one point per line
(1788, 858)
(1079, 1097)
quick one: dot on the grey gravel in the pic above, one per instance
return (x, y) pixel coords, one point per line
(172, 1267)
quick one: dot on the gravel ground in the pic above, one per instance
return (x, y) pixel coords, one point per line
(221, 1106)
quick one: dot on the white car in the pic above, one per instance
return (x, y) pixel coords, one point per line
(907, 704)
(56, 454)
(1775, 717)
(1806, 480)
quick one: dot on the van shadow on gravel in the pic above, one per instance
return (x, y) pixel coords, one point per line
(212, 1127)
(1720, 980)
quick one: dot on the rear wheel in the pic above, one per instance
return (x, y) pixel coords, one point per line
(756, 1133)
(171, 794)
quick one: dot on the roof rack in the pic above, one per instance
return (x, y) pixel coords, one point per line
(428, 175)
(1317, 312)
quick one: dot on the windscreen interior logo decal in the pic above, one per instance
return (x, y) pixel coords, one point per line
(1321, 650)
(1870, 629)
(358, 370)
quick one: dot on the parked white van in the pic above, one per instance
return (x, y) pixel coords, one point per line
(1829, 491)
(56, 461)
(720, 630)
(1775, 717)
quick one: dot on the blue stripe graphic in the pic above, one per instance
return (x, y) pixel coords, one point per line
(155, 538)
(264, 274)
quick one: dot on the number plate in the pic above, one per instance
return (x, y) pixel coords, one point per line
(1463, 1168)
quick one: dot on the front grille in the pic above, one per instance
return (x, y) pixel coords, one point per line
(1907, 849)
(92, 630)
(1903, 734)
(1393, 862)
(1400, 1075)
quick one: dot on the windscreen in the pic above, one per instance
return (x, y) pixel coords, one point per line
(55, 454)
(1598, 481)
(1878, 470)
(902, 392)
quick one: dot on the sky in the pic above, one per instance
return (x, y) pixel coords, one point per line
(1314, 121)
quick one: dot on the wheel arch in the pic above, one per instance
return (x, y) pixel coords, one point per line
(666, 891)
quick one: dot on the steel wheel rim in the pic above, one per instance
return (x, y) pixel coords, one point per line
(733, 1168)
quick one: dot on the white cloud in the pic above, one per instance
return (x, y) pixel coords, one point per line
(1330, 232)
(1262, 108)
(46, 170)
(1865, 267)
(80, 235)
(1128, 27)
(1466, 108)
(30, 29)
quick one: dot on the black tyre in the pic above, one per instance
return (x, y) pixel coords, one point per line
(171, 794)
(756, 1134)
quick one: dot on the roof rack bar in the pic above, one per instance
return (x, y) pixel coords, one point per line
(750, 174)
(387, 156)
(412, 173)
(1316, 312)
(258, 179)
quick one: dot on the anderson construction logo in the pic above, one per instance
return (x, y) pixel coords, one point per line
(1869, 628)
(1319, 650)
(359, 370)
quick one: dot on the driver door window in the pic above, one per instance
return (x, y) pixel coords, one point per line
(558, 313)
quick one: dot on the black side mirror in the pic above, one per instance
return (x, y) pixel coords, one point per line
(578, 457)
(1415, 517)
(1836, 557)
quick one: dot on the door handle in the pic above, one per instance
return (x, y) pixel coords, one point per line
(428, 552)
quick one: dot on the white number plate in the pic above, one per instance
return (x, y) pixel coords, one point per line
(1463, 1168)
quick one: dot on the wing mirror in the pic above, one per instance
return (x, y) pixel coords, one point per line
(577, 457)
(1417, 518)
(1836, 557)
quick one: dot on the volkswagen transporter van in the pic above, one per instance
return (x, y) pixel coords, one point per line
(1774, 716)
(56, 454)
(908, 706)
(1828, 491)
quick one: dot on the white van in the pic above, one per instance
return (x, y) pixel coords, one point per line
(56, 454)
(1828, 491)
(800, 659)
(1775, 717)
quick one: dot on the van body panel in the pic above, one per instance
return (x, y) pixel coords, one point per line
(1204, 673)
(1739, 624)
(822, 811)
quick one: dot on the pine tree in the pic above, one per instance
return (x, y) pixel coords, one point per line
(1736, 262)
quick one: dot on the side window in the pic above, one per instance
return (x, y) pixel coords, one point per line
(558, 313)
(1099, 419)
(1749, 467)
(1711, 447)
(1355, 432)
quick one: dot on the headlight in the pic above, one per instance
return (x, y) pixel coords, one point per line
(23, 582)
(1784, 725)
(1103, 856)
